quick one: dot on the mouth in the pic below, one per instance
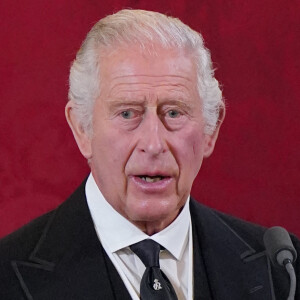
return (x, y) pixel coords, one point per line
(154, 183)
(152, 179)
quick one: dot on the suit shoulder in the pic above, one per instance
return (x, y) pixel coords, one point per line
(248, 231)
(18, 246)
(229, 220)
(246, 228)
(20, 243)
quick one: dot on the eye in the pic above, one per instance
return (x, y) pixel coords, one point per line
(173, 117)
(173, 113)
(127, 114)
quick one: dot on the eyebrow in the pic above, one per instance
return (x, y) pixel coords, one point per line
(139, 101)
(181, 103)
(124, 102)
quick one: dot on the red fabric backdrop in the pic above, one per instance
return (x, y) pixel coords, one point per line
(254, 171)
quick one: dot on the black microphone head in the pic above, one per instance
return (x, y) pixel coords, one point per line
(279, 246)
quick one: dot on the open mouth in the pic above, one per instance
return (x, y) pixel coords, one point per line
(151, 178)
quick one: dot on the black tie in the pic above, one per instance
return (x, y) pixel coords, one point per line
(154, 285)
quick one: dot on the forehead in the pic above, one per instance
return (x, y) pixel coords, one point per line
(131, 68)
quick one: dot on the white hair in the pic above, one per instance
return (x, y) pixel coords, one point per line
(143, 28)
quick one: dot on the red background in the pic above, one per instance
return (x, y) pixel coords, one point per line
(254, 171)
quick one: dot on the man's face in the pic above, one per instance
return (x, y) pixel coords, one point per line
(148, 138)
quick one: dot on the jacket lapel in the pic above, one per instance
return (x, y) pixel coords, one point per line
(69, 262)
(234, 268)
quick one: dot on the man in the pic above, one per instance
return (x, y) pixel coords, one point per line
(145, 109)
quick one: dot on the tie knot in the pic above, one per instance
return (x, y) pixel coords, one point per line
(148, 252)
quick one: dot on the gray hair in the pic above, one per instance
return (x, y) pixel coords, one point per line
(143, 28)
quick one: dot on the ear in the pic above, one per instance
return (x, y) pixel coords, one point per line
(210, 140)
(82, 138)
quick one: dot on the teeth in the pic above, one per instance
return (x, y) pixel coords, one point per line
(151, 179)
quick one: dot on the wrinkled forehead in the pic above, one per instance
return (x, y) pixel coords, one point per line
(151, 59)
(129, 72)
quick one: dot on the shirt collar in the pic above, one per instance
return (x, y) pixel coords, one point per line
(117, 232)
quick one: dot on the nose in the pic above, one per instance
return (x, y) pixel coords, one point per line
(152, 134)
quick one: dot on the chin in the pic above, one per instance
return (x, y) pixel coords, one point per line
(153, 211)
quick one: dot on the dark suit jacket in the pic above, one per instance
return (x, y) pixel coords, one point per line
(58, 256)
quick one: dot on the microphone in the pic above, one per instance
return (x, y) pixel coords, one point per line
(282, 253)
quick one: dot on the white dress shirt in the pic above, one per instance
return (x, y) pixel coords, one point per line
(116, 235)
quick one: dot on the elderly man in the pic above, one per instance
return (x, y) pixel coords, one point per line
(145, 109)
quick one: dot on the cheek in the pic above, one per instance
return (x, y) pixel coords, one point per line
(192, 149)
(110, 154)
(111, 148)
(198, 147)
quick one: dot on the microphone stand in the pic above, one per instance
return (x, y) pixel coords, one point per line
(282, 253)
(290, 269)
